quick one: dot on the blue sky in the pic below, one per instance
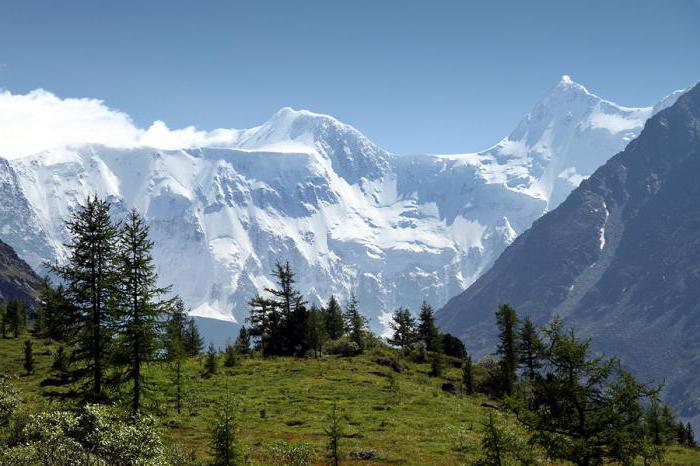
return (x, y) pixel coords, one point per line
(429, 76)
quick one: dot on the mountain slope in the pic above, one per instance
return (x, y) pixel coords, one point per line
(304, 187)
(17, 279)
(619, 259)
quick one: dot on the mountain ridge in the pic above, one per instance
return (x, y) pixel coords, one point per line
(304, 187)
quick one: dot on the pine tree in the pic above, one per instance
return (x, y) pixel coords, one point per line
(242, 344)
(334, 433)
(468, 376)
(28, 356)
(334, 319)
(175, 334)
(91, 276)
(286, 296)
(58, 312)
(530, 349)
(60, 362)
(226, 446)
(211, 363)
(230, 355)
(584, 410)
(193, 340)
(266, 325)
(437, 364)
(404, 326)
(356, 323)
(12, 316)
(427, 331)
(508, 346)
(316, 330)
(140, 308)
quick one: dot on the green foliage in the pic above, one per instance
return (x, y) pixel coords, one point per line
(403, 325)
(282, 453)
(91, 275)
(335, 327)
(334, 433)
(60, 362)
(242, 344)
(507, 350)
(211, 361)
(343, 347)
(9, 399)
(355, 323)
(452, 346)
(531, 349)
(427, 330)
(437, 365)
(96, 435)
(583, 409)
(28, 356)
(230, 355)
(226, 445)
(468, 376)
(316, 330)
(501, 445)
(140, 309)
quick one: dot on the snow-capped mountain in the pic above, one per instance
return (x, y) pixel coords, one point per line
(304, 187)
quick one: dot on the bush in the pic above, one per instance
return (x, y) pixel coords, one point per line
(281, 453)
(97, 435)
(364, 454)
(343, 347)
(417, 352)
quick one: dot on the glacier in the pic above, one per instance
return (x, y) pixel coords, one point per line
(303, 187)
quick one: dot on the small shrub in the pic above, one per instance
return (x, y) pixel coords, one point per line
(364, 454)
(281, 453)
(417, 352)
(344, 347)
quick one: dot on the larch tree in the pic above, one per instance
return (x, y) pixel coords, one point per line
(403, 325)
(141, 307)
(507, 347)
(356, 323)
(90, 275)
(427, 330)
(335, 326)
(531, 349)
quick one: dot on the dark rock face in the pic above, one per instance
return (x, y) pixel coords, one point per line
(17, 279)
(619, 260)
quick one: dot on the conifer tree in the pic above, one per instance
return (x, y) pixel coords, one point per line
(316, 330)
(193, 340)
(226, 445)
(242, 344)
(334, 319)
(230, 355)
(175, 333)
(507, 347)
(265, 324)
(356, 323)
(334, 433)
(90, 275)
(437, 364)
(60, 362)
(468, 376)
(427, 331)
(530, 349)
(13, 318)
(211, 363)
(585, 410)
(404, 326)
(285, 295)
(28, 356)
(140, 308)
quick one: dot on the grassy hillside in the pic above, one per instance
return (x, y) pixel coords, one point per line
(289, 399)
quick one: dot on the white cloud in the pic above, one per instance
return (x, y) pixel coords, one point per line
(39, 120)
